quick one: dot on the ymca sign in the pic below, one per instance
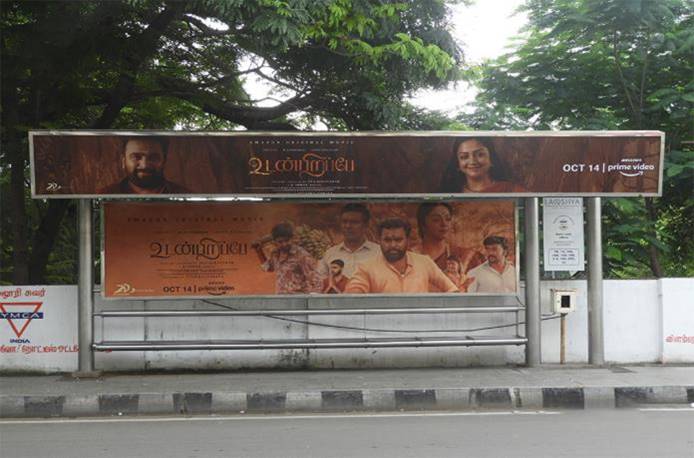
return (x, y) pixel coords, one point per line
(38, 328)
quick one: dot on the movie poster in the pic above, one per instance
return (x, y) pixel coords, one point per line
(212, 249)
(316, 165)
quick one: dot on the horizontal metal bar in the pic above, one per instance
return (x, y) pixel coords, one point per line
(364, 133)
(304, 344)
(312, 296)
(336, 196)
(381, 311)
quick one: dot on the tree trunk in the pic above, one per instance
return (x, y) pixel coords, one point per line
(32, 268)
(653, 254)
(20, 275)
(44, 239)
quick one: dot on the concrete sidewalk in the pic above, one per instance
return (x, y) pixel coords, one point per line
(346, 390)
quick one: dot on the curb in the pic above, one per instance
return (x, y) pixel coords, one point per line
(384, 400)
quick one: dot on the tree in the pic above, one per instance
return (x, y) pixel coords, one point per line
(609, 64)
(162, 64)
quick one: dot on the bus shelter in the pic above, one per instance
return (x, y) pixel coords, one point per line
(258, 215)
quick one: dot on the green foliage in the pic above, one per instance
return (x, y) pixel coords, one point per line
(601, 65)
(154, 64)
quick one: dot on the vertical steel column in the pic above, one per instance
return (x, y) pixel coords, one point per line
(85, 286)
(532, 282)
(596, 339)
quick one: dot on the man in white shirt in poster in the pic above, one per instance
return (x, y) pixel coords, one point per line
(354, 248)
(497, 274)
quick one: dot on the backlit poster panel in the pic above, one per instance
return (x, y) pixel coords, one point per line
(318, 165)
(212, 249)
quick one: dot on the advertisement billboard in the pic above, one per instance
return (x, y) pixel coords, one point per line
(212, 249)
(315, 165)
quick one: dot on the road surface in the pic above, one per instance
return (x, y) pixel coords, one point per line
(658, 432)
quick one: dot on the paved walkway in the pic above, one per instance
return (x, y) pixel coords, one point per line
(346, 390)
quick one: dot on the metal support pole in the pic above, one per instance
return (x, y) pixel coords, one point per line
(532, 282)
(562, 339)
(596, 340)
(85, 287)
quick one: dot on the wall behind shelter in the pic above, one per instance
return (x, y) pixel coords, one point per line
(646, 321)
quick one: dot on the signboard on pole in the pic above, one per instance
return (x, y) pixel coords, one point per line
(213, 249)
(562, 230)
(150, 165)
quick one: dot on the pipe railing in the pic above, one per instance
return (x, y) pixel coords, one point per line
(390, 342)
(284, 312)
(306, 344)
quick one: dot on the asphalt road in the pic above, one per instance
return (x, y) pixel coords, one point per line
(609, 433)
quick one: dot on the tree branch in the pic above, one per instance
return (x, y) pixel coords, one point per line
(207, 30)
(622, 79)
(277, 81)
(230, 76)
(248, 116)
(142, 47)
(255, 101)
(642, 88)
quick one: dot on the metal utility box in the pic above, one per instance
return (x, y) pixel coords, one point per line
(563, 300)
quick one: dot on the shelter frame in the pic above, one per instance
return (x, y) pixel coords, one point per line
(531, 262)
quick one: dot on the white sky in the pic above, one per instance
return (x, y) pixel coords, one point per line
(483, 29)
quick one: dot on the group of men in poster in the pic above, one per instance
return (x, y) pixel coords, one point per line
(359, 266)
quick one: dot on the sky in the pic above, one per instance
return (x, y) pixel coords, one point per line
(483, 29)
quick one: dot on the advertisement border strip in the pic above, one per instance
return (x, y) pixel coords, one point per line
(333, 196)
(363, 133)
(32, 169)
(516, 234)
(662, 164)
(308, 296)
(102, 251)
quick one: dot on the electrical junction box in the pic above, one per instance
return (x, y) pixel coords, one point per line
(563, 300)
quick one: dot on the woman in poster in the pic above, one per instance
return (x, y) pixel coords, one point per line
(435, 222)
(475, 167)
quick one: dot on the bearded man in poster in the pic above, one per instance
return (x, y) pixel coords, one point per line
(143, 160)
(396, 269)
